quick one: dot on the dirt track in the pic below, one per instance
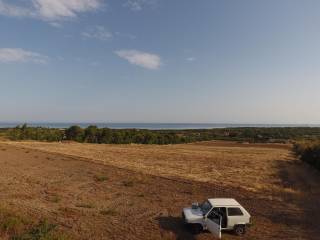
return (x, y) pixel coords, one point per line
(99, 200)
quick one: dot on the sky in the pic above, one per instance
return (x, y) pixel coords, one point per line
(172, 61)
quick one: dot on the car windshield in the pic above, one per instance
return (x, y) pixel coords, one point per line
(205, 207)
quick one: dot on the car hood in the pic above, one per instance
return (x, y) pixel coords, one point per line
(192, 214)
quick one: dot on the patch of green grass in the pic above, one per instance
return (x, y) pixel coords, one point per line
(12, 225)
(101, 178)
(18, 228)
(43, 231)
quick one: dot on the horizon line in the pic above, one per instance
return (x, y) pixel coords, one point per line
(191, 123)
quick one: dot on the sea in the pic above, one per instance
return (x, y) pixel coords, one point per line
(153, 126)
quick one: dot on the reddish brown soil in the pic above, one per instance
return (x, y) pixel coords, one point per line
(91, 200)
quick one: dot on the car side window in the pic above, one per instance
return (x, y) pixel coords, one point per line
(234, 212)
(213, 215)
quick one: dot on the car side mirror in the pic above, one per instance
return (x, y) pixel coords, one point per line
(195, 205)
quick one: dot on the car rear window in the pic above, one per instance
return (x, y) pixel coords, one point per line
(234, 212)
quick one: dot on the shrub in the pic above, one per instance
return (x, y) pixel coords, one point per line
(91, 134)
(308, 152)
(75, 133)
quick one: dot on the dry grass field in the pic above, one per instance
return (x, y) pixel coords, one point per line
(137, 191)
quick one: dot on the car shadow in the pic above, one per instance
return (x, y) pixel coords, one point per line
(176, 226)
(181, 231)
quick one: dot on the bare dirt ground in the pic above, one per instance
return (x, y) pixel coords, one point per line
(137, 192)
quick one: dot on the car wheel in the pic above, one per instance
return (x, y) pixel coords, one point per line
(240, 230)
(196, 228)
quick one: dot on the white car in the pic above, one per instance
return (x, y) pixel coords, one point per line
(217, 214)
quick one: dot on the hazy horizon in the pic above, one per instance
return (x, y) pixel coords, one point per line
(108, 122)
(159, 61)
(153, 126)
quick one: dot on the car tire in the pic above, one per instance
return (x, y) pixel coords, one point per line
(240, 230)
(196, 228)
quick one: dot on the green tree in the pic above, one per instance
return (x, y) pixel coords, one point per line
(105, 136)
(75, 133)
(91, 134)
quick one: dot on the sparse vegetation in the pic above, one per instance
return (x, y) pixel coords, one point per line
(309, 152)
(14, 227)
(42, 231)
(11, 224)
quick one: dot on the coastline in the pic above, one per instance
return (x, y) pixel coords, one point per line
(155, 126)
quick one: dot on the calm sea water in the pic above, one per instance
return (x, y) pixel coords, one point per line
(155, 126)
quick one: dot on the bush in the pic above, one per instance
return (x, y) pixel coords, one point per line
(91, 134)
(75, 133)
(308, 152)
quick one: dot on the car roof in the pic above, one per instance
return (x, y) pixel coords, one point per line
(223, 202)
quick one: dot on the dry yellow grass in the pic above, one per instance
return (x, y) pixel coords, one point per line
(248, 166)
(90, 200)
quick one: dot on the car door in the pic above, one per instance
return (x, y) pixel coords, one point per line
(213, 223)
(234, 214)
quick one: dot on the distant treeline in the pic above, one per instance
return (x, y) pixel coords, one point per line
(92, 134)
(29, 133)
(309, 152)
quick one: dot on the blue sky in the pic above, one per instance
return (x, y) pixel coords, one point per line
(207, 61)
